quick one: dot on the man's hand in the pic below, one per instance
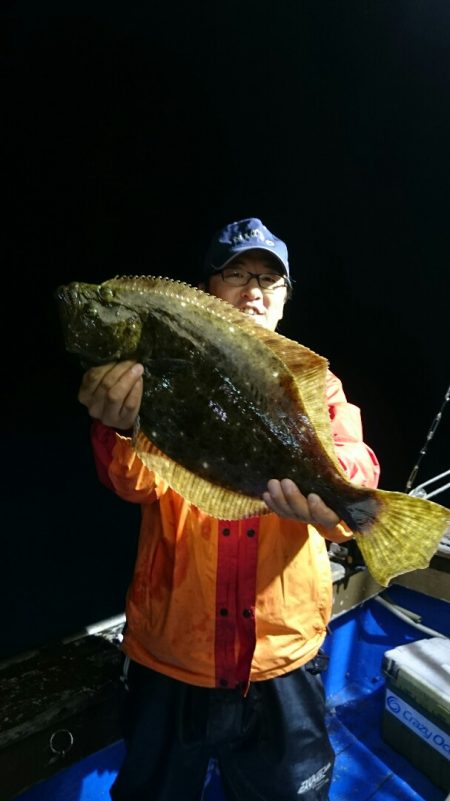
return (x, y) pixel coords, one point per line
(113, 393)
(285, 499)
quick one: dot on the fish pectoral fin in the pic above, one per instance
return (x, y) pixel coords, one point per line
(210, 498)
(404, 535)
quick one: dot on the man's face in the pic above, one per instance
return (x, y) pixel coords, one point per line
(266, 308)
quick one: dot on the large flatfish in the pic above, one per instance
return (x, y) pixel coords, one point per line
(229, 405)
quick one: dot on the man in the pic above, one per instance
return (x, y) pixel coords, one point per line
(225, 619)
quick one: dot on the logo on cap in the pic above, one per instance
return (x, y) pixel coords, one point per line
(254, 233)
(242, 235)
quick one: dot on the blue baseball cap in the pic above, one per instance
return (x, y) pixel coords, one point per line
(237, 237)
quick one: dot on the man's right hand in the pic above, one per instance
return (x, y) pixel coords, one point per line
(112, 393)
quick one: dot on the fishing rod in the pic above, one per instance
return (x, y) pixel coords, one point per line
(425, 489)
(420, 491)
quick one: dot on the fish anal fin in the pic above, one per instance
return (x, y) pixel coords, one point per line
(210, 498)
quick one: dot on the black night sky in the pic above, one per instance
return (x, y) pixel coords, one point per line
(131, 133)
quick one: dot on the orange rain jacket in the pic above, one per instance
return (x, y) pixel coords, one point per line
(218, 602)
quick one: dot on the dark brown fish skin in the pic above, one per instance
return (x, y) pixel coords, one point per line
(217, 432)
(210, 407)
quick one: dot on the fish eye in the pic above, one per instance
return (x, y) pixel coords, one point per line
(92, 311)
(106, 293)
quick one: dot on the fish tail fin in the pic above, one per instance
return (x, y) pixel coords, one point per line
(404, 534)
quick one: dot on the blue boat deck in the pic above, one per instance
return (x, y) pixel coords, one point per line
(366, 767)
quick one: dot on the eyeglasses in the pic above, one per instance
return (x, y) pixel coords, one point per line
(268, 282)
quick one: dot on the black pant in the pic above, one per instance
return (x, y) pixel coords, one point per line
(271, 745)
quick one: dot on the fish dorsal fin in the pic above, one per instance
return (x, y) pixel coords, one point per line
(212, 499)
(309, 371)
(306, 369)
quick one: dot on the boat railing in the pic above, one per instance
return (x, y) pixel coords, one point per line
(427, 490)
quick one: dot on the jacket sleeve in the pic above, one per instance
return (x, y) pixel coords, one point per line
(355, 457)
(120, 469)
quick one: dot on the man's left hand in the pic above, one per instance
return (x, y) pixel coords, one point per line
(285, 499)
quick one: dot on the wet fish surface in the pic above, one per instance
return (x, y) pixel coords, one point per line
(228, 405)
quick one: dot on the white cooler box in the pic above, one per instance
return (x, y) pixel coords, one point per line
(416, 718)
